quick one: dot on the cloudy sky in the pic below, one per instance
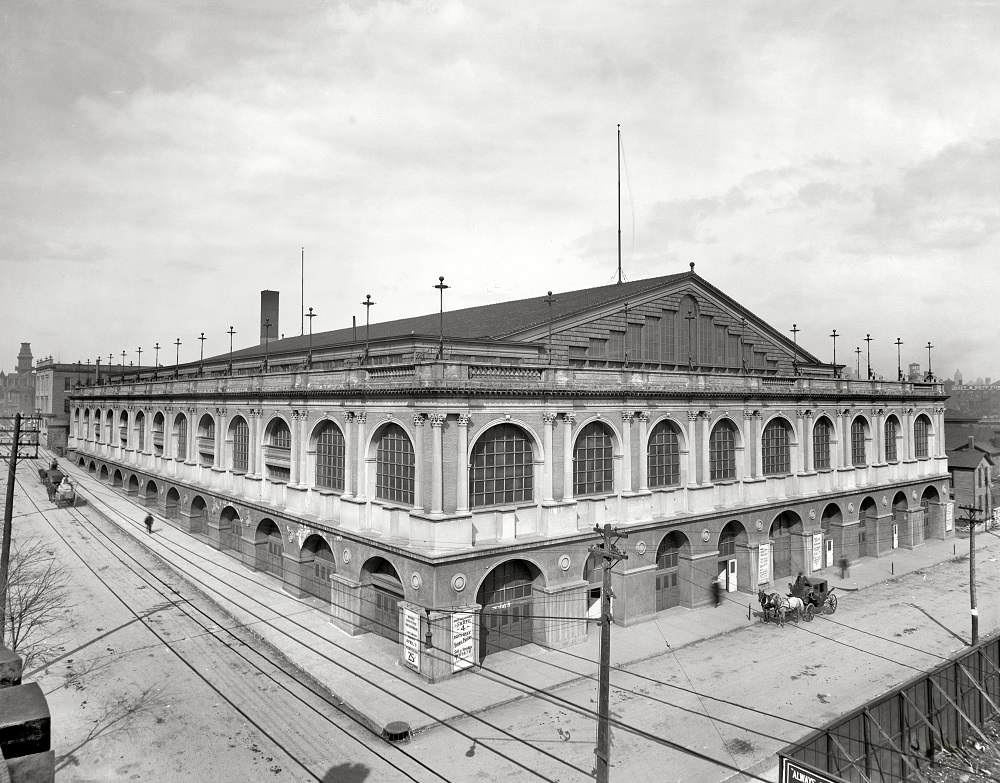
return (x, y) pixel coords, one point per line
(833, 165)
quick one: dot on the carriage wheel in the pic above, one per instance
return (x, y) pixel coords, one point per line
(830, 605)
(809, 613)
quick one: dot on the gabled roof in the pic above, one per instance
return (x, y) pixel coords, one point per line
(511, 320)
(967, 460)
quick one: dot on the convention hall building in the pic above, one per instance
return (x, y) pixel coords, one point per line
(458, 465)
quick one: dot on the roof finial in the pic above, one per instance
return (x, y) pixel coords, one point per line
(692, 266)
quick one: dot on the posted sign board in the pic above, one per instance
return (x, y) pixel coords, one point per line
(792, 771)
(949, 515)
(411, 639)
(817, 551)
(463, 640)
(764, 563)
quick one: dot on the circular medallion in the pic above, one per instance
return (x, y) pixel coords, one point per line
(640, 547)
(760, 525)
(850, 507)
(705, 535)
(458, 582)
(885, 501)
(347, 556)
(564, 562)
(415, 580)
(914, 494)
(812, 513)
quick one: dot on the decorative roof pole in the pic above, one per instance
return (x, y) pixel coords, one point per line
(440, 287)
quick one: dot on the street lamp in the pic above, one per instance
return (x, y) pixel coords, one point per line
(97, 377)
(201, 357)
(868, 339)
(440, 287)
(267, 340)
(156, 360)
(795, 338)
(899, 361)
(310, 316)
(743, 345)
(690, 318)
(368, 303)
(858, 352)
(177, 358)
(139, 362)
(123, 365)
(231, 332)
(834, 335)
(930, 375)
(549, 300)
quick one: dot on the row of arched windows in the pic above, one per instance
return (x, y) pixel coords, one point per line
(501, 463)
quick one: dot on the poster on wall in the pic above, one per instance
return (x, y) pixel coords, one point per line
(949, 515)
(411, 639)
(817, 551)
(463, 641)
(764, 564)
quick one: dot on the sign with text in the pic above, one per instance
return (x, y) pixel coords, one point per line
(817, 551)
(764, 563)
(949, 515)
(463, 640)
(792, 771)
(411, 639)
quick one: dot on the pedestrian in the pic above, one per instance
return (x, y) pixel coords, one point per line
(716, 593)
(149, 523)
(845, 570)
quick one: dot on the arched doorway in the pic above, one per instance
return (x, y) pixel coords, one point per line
(868, 528)
(150, 493)
(783, 556)
(116, 479)
(199, 516)
(173, 499)
(668, 582)
(900, 523)
(507, 601)
(317, 565)
(229, 529)
(268, 548)
(104, 473)
(732, 549)
(930, 502)
(832, 524)
(381, 592)
(133, 485)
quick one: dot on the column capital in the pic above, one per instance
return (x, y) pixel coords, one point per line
(419, 419)
(220, 411)
(549, 418)
(803, 413)
(643, 416)
(464, 419)
(693, 415)
(436, 419)
(361, 417)
(627, 417)
(569, 417)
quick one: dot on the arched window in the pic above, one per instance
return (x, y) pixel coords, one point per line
(181, 433)
(140, 429)
(891, 431)
(241, 446)
(278, 452)
(330, 449)
(920, 437)
(593, 466)
(858, 458)
(722, 452)
(775, 448)
(502, 470)
(394, 466)
(821, 444)
(663, 457)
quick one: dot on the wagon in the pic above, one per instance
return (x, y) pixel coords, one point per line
(816, 594)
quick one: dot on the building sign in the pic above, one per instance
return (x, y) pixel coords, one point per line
(996, 516)
(792, 771)
(817, 551)
(949, 515)
(463, 641)
(764, 563)
(411, 639)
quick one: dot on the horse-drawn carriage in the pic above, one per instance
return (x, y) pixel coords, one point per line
(806, 598)
(60, 489)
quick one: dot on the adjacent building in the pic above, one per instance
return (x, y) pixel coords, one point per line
(17, 389)
(436, 469)
(54, 382)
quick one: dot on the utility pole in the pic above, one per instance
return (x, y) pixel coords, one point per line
(611, 554)
(972, 517)
(8, 510)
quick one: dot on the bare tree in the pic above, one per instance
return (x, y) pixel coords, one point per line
(38, 599)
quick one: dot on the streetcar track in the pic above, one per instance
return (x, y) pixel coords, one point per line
(264, 704)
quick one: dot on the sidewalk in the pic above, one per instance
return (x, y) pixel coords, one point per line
(365, 671)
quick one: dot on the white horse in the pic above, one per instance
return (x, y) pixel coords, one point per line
(789, 603)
